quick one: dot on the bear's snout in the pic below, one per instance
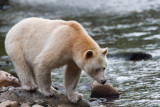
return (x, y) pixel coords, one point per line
(103, 81)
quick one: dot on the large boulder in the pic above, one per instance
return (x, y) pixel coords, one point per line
(103, 91)
(131, 56)
(6, 79)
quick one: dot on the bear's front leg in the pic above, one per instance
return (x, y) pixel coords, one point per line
(43, 79)
(42, 67)
(72, 76)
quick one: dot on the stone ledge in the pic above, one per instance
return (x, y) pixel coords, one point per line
(23, 96)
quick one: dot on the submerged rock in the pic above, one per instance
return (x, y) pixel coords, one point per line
(7, 79)
(34, 97)
(103, 91)
(131, 56)
(4, 4)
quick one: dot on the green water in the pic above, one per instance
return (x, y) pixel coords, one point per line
(138, 82)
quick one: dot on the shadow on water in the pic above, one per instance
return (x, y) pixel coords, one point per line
(136, 31)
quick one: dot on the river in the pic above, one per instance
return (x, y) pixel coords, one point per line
(120, 25)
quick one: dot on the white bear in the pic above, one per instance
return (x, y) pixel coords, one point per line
(36, 46)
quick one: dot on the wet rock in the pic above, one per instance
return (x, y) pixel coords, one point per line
(101, 102)
(23, 96)
(8, 103)
(103, 91)
(4, 58)
(131, 56)
(98, 101)
(5, 62)
(4, 89)
(94, 103)
(7, 79)
(25, 105)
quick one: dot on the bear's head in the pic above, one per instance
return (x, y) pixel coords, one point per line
(95, 63)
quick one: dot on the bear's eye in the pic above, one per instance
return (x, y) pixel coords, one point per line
(104, 68)
(97, 69)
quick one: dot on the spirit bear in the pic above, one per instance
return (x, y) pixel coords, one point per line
(36, 46)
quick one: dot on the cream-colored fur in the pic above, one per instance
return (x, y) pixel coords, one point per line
(36, 46)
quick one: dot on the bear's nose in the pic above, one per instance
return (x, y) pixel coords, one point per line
(103, 81)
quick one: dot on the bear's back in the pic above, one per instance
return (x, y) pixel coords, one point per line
(36, 35)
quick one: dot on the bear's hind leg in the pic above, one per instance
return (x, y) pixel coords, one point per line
(25, 73)
(72, 75)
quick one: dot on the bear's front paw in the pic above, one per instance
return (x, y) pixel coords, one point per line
(74, 97)
(48, 92)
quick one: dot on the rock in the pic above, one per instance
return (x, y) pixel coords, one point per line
(6, 64)
(32, 97)
(7, 79)
(4, 4)
(131, 56)
(103, 91)
(99, 101)
(37, 105)
(5, 61)
(4, 89)
(25, 105)
(8, 103)
(4, 58)
(40, 102)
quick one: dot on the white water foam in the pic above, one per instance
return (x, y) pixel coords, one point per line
(78, 7)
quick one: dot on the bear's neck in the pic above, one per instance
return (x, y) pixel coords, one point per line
(82, 44)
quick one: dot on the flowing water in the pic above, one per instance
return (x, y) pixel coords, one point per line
(121, 25)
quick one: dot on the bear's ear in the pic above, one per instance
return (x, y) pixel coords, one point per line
(88, 53)
(105, 51)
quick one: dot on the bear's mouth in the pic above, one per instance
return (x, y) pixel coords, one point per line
(102, 82)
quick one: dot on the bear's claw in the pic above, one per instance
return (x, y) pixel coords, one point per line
(29, 87)
(48, 92)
